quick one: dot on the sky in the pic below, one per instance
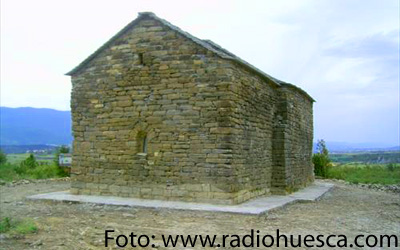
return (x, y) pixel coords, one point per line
(344, 53)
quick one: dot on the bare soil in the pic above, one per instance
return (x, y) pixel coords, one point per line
(346, 210)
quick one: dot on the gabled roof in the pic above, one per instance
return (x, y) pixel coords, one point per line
(207, 44)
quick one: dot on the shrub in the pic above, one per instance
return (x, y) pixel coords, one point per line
(5, 225)
(30, 169)
(3, 157)
(24, 226)
(390, 167)
(321, 160)
(30, 162)
(8, 172)
(46, 171)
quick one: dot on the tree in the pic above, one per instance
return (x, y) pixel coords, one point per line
(30, 162)
(3, 157)
(63, 149)
(321, 159)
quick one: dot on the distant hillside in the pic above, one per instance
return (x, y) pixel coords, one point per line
(20, 149)
(367, 157)
(29, 126)
(33, 126)
(343, 147)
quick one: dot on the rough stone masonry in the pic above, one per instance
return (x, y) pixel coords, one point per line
(160, 114)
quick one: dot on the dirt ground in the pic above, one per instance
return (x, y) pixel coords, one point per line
(346, 210)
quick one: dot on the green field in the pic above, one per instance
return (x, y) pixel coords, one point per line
(386, 174)
(367, 157)
(17, 158)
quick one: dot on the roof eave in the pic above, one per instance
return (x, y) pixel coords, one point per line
(304, 93)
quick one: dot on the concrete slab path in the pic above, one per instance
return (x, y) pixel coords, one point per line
(255, 206)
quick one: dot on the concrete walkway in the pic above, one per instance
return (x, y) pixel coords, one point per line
(255, 206)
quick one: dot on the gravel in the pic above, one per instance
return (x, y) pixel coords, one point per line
(347, 209)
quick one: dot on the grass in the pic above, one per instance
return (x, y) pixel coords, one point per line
(366, 173)
(7, 172)
(23, 226)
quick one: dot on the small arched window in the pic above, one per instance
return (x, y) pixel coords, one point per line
(141, 60)
(144, 147)
(142, 142)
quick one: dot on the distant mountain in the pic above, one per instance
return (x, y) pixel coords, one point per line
(340, 147)
(33, 126)
(29, 126)
(20, 149)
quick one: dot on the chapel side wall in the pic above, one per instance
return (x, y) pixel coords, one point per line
(297, 138)
(253, 120)
(179, 98)
(279, 143)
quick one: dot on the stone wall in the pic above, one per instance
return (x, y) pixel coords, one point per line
(174, 96)
(293, 141)
(253, 118)
(298, 139)
(158, 116)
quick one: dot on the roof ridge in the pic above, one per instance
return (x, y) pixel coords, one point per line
(206, 43)
(186, 34)
(217, 49)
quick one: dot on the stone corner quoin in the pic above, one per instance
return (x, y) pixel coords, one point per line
(160, 114)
